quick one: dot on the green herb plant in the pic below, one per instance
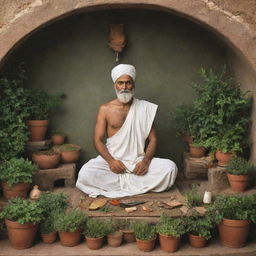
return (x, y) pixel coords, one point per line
(96, 228)
(192, 197)
(17, 170)
(239, 166)
(144, 230)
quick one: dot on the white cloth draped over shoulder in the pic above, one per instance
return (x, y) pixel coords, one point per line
(127, 145)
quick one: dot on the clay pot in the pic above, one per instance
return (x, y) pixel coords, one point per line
(115, 239)
(46, 159)
(17, 190)
(37, 129)
(196, 151)
(57, 139)
(238, 182)
(68, 156)
(146, 245)
(169, 243)
(94, 243)
(197, 241)
(117, 37)
(234, 233)
(49, 238)
(70, 239)
(35, 193)
(128, 236)
(223, 158)
(21, 236)
(187, 138)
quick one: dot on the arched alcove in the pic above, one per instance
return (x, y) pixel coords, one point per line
(227, 40)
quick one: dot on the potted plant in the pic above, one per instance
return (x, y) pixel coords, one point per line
(233, 214)
(70, 153)
(193, 198)
(21, 218)
(69, 225)
(52, 204)
(238, 173)
(16, 175)
(41, 106)
(126, 226)
(170, 230)
(115, 235)
(145, 234)
(47, 230)
(94, 232)
(199, 229)
(58, 138)
(46, 159)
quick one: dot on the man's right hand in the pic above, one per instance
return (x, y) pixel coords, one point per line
(116, 166)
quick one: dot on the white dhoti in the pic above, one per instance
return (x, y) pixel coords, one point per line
(127, 145)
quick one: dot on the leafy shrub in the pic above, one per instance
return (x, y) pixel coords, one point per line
(69, 221)
(171, 226)
(192, 197)
(66, 147)
(200, 226)
(42, 104)
(144, 230)
(52, 203)
(95, 228)
(13, 114)
(17, 170)
(23, 211)
(47, 226)
(239, 166)
(236, 207)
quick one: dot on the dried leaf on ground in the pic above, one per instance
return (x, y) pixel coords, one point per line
(97, 203)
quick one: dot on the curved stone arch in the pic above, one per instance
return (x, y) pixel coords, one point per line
(38, 13)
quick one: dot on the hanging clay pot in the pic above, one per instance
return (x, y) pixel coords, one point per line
(146, 245)
(117, 37)
(234, 233)
(37, 129)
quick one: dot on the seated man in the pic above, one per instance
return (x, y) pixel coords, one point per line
(125, 165)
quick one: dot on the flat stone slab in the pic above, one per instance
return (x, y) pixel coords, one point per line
(45, 178)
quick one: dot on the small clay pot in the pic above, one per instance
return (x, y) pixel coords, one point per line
(169, 243)
(70, 239)
(197, 241)
(128, 236)
(234, 233)
(17, 190)
(146, 245)
(223, 158)
(196, 151)
(68, 156)
(46, 159)
(49, 238)
(187, 138)
(57, 139)
(238, 182)
(94, 243)
(115, 239)
(37, 129)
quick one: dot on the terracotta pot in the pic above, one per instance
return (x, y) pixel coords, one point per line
(18, 190)
(70, 238)
(46, 159)
(128, 236)
(21, 236)
(69, 156)
(238, 182)
(187, 138)
(197, 241)
(234, 233)
(115, 239)
(223, 158)
(57, 139)
(196, 151)
(146, 245)
(169, 243)
(49, 238)
(94, 243)
(37, 129)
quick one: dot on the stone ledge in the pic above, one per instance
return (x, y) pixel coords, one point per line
(217, 178)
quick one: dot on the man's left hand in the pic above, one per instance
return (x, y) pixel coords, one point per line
(141, 167)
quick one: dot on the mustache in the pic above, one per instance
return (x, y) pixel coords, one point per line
(125, 91)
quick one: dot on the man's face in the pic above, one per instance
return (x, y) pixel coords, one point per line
(124, 87)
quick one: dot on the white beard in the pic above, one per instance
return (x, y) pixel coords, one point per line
(124, 96)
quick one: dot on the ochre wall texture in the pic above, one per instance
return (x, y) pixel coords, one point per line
(234, 21)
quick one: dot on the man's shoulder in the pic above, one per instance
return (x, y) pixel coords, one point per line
(146, 103)
(108, 105)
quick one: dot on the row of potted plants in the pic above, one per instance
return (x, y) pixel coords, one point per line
(231, 213)
(218, 119)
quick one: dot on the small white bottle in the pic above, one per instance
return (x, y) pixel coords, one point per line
(207, 197)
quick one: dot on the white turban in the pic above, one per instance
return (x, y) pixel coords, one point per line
(123, 69)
